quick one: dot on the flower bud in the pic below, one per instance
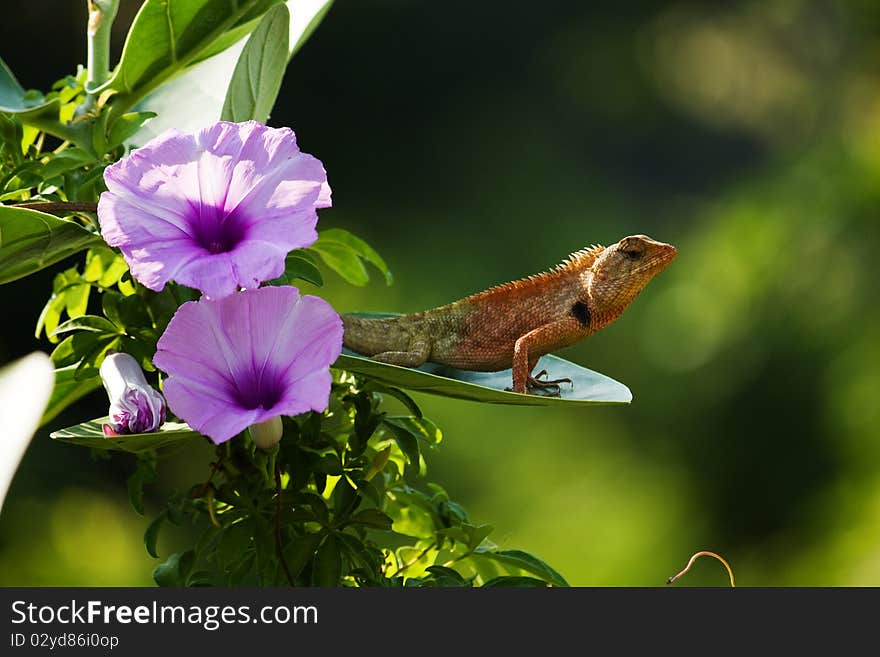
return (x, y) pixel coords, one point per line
(267, 434)
(135, 407)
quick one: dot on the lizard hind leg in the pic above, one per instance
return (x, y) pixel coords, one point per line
(416, 355)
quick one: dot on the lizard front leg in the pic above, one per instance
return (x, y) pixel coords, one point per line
(545, 383)
(417, 354)
(542, 340)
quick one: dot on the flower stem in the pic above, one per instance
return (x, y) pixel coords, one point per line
(101, 15)
(59, 207)
(278, 544)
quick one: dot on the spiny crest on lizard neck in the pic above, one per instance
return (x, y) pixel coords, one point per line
(579, 261)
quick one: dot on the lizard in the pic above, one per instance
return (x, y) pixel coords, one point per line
(514, 324)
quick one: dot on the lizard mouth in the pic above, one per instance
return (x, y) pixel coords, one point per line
(662, 255)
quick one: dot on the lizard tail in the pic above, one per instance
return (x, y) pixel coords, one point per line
(374, 335)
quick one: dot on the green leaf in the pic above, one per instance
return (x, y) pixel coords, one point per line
(345, 254)
(144, 473)
(371, 518)
(125, 127)
(201, 578)
(70, 293)
(490, 387)
(166, 37)
(151, 536)
(104, 267)
(32, 240)
(13, 98)
(67, 160)
(345, 500)
(194, 98)
(329, 464)
(91, 434)
(398, 394)
(328, 564)
(445, 576)
(527, 562)
(87, 348)
(514, 580)
(299, 264)
(476, 534)
(235, 542)
(73, 348)
(130, 312)
(11, 92)
(407, 441)
(300, 551)
(76, 300)
(420, 428)
(190, 101)
(35, 110)
(91, 323)
(174, 571)
(67, 390)
(260, 69)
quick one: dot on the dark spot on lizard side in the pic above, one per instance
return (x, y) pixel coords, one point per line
(581, 312)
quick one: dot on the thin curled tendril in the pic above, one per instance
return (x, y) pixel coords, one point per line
(704, 553)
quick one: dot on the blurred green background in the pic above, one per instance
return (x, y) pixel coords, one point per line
(474, 143)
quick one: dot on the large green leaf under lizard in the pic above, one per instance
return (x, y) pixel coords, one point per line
(513, 325)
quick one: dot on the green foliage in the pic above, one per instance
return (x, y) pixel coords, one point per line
(346, 254)
(109, 136)
(68, 389)
(331, 506)
(334, 505)
(144, 473)
(52, 112)
(167, 37)
(90, 434)
(301, 265)
(31, 241)
(257, 77)
(132, 319)
(14, 99)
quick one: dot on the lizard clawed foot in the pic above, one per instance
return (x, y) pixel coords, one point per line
(550, 387)
(537, 382)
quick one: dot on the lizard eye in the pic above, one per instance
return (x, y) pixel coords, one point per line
(633, 253)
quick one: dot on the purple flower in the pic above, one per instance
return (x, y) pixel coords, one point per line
(247, 358)
(135, 407)
(215, 210)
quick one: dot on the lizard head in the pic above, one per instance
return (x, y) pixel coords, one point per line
(622, 270)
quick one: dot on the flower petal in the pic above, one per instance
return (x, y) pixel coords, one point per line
(217, 210)
(217, 418)
(309, 393)
(248, 357)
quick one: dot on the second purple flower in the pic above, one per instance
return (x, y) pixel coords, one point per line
(248, 358)
(216, 210)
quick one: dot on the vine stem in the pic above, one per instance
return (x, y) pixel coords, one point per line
(59, 207)
(416, 560)
(278, 546)
(101, 15)
(704, 553)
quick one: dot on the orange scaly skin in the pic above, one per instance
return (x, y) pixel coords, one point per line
(513, 325)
